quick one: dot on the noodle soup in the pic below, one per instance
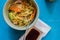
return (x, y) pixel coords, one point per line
(20, 14)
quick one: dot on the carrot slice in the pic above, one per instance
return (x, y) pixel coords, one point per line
(15, 8)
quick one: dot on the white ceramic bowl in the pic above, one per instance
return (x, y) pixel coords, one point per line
(5, 14)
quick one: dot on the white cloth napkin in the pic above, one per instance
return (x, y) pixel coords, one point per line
(43, 27)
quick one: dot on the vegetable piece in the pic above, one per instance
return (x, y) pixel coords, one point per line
(10, 16)
(15, 8)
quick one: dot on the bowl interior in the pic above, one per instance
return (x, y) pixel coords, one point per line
(5, 14)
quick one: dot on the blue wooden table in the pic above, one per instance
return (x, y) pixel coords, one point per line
(49, 13)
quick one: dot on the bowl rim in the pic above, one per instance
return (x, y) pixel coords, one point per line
(17, 28)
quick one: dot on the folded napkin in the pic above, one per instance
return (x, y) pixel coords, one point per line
(41, 26)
